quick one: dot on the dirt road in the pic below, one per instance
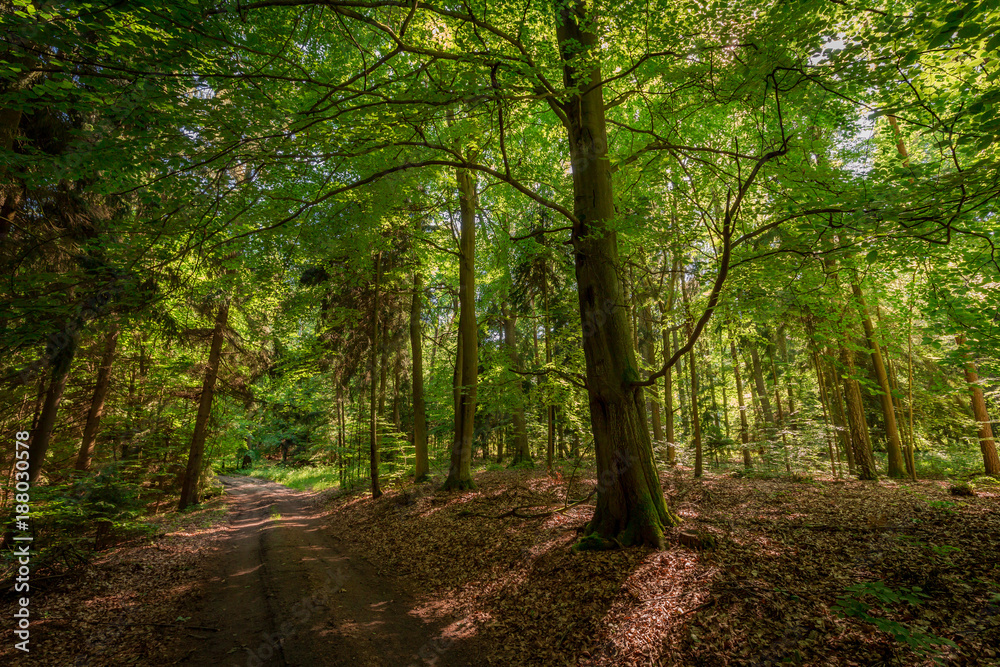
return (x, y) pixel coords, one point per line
(282, 591)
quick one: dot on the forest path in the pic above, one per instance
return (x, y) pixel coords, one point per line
(283, 591)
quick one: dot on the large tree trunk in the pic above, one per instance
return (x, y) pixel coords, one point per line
(630, 506)
(986, 442)
(189, 488)
(460, 471)
(97, 403)
(863, 458)
(744, 425)
(521, 450)
(897, 467)
(422, 467)
(374, 457)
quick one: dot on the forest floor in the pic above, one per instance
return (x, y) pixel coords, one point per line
(271, 576)
(776, 560)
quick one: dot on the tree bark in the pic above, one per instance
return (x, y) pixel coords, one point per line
(550, 410)
(681, 392)
(189, 489)
(824, 399)
(860, 442)
(781, 416)
(61, 349)
(649, 350)
(460, 471)
(422, 466)
(744, 425)
(839, 416)
(897, 467)
(786, 373)
(630, 506)
(668, 404)
(695, 416)
(97, 403)
(762, 397)
(397, 371)
(383, 365)
(986, 442)
(521, 450)
(373, 449)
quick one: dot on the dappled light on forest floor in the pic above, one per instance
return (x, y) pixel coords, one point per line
(775, 561)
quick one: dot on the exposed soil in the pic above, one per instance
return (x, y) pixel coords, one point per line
(271, 585)
(283, 590)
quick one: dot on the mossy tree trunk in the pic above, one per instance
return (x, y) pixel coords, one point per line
(630, 506)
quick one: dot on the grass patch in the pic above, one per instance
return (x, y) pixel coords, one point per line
(306, 478)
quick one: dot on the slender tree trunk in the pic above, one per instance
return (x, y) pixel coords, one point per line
(824, 402)
(668, 382)
(460, 471)
(744, 426)
(630, 506)
(863, 458)
(42, 434)
(189, 489)
(909, 398)
(373, 408)
(897, 468)
(422, 466)
(550, 410)
(681, 392)
(341, 437)
(762, 397)
(781, 416)
(695, 416)
(649, 350)
(62, 349)
(840, 416)
(383, 365)
(668, 404)
(693, 368)
(97, 403)
(787, 374)
(521, 450)
(397, 371)
(986, 442)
